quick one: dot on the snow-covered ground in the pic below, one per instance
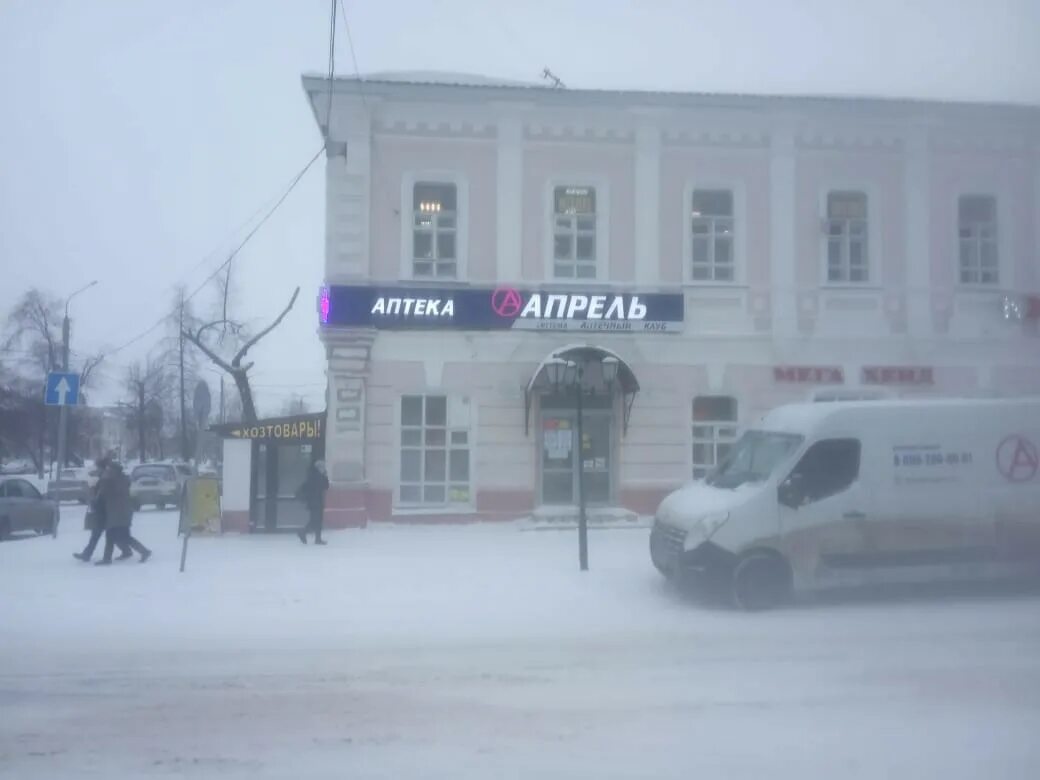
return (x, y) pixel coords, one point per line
(482, 652)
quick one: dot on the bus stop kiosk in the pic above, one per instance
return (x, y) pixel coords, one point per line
(264, 465)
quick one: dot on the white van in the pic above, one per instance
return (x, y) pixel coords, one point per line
(858, 493)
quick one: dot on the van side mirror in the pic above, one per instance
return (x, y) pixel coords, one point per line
(789, 493)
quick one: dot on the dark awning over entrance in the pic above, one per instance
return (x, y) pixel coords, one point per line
(588, 355)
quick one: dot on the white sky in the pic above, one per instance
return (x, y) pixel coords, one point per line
(137, 135)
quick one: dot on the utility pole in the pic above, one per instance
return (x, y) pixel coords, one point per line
(184, 416)
(63, 410)
(141, 422)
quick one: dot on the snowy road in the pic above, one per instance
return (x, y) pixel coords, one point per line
(481, 652)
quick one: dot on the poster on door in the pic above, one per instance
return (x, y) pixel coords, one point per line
(557, 438)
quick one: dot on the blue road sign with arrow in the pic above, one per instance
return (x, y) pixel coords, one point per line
(62, 389)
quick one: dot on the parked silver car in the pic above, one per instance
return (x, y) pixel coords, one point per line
(160, 484)
(24, 508)
(75, 484)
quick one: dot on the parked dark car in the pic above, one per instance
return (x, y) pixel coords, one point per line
(24, 508)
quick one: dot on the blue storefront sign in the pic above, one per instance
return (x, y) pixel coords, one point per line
(501, 308)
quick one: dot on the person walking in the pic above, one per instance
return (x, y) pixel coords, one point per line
(312, 491)
(119, 511)
(96, 520)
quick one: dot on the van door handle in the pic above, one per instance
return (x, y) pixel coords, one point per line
(855, 515)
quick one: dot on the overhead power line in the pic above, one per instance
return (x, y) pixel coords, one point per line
(332, 66)
(353, 58)
(266, 216)
(260, 224)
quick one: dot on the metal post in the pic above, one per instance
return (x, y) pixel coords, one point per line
(583, 530)
(180, 342)
(63, 414)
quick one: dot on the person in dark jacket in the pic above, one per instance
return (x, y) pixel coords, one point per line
(96, 520)
(114, 493)
(313, 494)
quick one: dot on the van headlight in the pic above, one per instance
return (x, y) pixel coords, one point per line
(705, 526)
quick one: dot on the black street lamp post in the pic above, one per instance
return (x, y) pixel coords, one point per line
(565, 374)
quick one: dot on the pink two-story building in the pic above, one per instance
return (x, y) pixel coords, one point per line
(700, 258)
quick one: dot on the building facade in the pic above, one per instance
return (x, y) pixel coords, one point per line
(722, 254)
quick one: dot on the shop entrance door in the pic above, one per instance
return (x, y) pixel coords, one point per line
(280, 470)
(559, 459)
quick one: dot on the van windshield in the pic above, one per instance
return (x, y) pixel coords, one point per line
(753, 458)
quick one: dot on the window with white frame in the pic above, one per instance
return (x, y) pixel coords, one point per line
(846, 226)
(714, 431)
(711, 226)
(435, 453)
(434, 230)
(977, 231)
(574, 232)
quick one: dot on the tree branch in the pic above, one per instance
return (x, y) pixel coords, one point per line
(88, 368)
(208, 325)
(242, 352)
(197, 341)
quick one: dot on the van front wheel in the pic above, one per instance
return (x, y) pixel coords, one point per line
(761, 581)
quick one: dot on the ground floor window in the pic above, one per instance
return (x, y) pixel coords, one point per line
(714, 431)
(435, 451)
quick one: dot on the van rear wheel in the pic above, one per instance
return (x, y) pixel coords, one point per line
(761, 581)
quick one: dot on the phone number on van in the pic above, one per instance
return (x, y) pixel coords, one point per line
(928, 456)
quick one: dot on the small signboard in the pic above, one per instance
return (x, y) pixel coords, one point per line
(573, 308)
(62, 389)
(301, 428)
(200, 509)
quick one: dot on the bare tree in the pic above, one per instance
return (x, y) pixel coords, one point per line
(22, 420)
(33, 332)
(233, 409)
(146, 383)
(184, 363)
(202, 336)
(295, 404)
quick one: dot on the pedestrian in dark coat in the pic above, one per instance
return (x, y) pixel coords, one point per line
(312, 492)
(114, 492)
(95, 520)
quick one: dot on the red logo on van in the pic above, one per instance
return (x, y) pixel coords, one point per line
(1017, 458)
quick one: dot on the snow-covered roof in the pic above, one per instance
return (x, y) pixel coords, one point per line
(398, 82)
(444, 78)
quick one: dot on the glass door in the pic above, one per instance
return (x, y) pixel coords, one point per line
(595, 452)
(557, 458)
(559, 461)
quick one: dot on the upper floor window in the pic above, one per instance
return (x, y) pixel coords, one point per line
(846, 226)
(711, 225)
(977, 230)
(574, 232)
(714, 431)
(434, 230)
